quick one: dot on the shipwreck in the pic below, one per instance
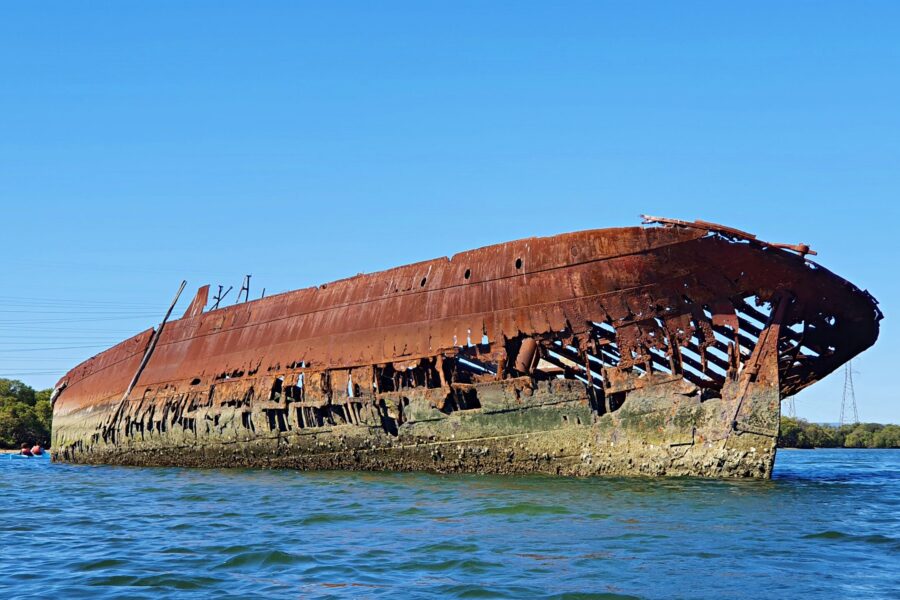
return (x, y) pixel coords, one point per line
(663, 349)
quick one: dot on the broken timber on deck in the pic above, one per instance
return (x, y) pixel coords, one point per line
(657, 350)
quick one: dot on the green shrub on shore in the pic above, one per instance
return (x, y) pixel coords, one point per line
(25, 415)
(798, 433)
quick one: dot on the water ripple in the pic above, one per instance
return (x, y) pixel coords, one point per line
(107, 532)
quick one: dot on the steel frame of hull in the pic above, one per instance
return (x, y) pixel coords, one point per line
(661, 350)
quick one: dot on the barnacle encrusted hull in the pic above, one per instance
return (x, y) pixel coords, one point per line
(660, 350)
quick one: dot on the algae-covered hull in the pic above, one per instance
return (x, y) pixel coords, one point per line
(656, 350)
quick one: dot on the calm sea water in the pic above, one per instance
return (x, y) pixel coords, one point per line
(827, 526)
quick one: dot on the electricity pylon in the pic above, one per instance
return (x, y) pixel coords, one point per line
(789, 409)
(848, 401)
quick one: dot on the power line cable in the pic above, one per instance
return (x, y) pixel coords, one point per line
(45, 349)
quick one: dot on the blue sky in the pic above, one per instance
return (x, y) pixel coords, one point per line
(143, 143)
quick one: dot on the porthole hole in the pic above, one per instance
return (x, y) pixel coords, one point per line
(518, 263)
(468, 273)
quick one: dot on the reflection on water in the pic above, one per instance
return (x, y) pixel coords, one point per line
(828, 525)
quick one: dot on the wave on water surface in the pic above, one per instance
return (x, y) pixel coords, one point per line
(107, 532)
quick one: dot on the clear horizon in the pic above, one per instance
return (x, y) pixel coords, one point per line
(143, 144)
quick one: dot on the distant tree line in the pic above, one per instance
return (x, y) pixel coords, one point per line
(25, 415)
(798, 433)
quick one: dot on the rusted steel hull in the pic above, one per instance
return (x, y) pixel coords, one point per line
(661, 350)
